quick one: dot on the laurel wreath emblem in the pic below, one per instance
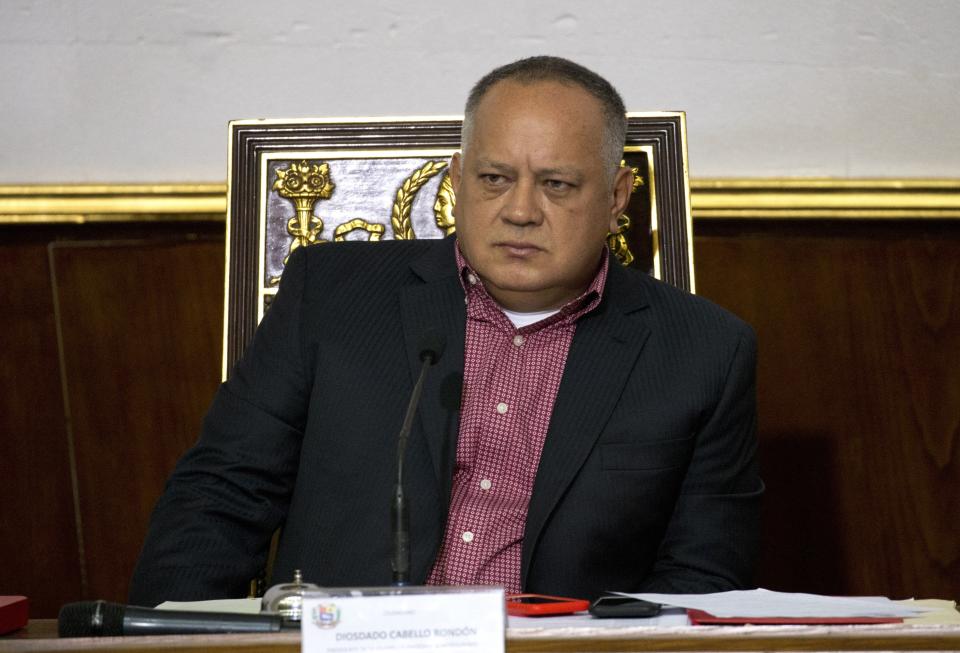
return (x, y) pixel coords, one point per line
(403, 204)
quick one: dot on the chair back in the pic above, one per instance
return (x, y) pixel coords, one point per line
(295, 183)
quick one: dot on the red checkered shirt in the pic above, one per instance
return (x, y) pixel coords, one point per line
(510, 382)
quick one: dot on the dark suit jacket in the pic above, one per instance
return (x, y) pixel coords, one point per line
(647, 479)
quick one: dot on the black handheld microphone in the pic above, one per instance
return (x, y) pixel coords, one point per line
(102, 619)
(431, 349)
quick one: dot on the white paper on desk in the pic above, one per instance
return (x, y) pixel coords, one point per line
(237, 606)
(765, 603)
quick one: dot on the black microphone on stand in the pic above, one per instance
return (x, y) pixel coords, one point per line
(431, 348)
(103, 619)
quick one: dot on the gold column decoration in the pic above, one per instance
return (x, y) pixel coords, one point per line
(403, 204)
(617, 241)
(304, 184)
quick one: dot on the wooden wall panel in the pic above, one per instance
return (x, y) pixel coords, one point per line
(859, 397)
(142, 334)
(38, 545)
(119, 311)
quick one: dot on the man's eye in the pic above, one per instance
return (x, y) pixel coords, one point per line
(558, 185)
(492, 179)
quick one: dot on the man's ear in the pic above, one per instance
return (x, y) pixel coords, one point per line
(455, 171)
(622, 188)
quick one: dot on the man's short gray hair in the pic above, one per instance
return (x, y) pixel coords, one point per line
(564, 71)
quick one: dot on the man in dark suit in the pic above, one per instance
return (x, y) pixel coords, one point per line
(588, 428)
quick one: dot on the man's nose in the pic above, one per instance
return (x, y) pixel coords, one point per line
(523, 206)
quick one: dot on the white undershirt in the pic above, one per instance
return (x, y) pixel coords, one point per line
(521, 320)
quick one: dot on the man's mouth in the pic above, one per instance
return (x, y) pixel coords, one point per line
(518, 248)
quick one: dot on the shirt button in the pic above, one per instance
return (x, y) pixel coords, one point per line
(502, 408)
(467, 537)
(485, 484)
(518, 340)
(472, 279)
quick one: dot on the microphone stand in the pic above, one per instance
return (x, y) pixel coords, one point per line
(399, 517)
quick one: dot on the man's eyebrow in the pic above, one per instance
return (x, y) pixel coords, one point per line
(569, 172)
(494, 165)
(562, 171)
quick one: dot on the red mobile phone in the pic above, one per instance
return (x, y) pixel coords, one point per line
(541, 605)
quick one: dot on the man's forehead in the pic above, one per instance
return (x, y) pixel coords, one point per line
(487, 162)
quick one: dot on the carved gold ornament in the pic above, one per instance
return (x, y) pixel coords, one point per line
(443, 206)
(617, 241)
(375, 230)
(402, 205)
(304, 184)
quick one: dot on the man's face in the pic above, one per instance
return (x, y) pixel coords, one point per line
(534, 199)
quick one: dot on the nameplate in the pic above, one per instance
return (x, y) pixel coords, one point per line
(435, 619)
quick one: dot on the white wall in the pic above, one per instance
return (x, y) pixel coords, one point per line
(111, 90)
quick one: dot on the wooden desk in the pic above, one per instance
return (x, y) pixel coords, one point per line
(41, 635)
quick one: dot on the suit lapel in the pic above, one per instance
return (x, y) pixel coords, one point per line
(437, 305)
(603, 353)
